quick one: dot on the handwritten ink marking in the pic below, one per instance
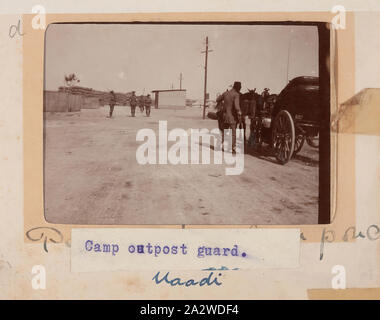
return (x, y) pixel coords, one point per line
(373, 237)
(222, 268)
(187, 283)
(325, 238)
(48, 233)
(369, 236)
(14, 29)
(354, 235)
(372, 233)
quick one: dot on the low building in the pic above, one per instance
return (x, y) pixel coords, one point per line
(55, 101)
(170, 99)
(69, 99)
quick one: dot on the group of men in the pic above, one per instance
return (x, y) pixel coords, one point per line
(144, 102)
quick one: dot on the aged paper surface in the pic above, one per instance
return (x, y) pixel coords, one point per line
(355, 175)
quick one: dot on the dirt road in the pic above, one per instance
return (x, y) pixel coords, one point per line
(92, 177)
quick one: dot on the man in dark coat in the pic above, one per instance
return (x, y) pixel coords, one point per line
(112, 103)
(231, 111)
(141, 103)
(133, 103)
(147, 104)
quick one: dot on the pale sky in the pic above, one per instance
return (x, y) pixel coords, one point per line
(126, 57)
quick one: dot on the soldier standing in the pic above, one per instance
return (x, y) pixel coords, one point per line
(112, 103)
(133, 103)
(147, 104)
(231, 112)
(141, 103)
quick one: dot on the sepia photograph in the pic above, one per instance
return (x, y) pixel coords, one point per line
(185, 124)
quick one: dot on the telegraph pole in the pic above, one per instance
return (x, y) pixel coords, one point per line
(205, 88)
(287, 66)
(180, 81)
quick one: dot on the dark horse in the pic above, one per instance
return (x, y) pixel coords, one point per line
(250, 102)
(253, 104)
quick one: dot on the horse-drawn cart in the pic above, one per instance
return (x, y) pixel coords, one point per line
(288, 121)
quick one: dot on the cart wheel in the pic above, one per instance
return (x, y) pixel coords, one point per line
(283, 136)
(313, 141)
(300, 140)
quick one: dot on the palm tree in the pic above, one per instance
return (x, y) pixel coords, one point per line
(71, 79)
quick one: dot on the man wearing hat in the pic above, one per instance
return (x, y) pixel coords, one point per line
(133, 103)
(147, 104)
(112, 102)
(231, 111)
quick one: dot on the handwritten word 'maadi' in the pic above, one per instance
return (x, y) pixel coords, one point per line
(189, 282)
